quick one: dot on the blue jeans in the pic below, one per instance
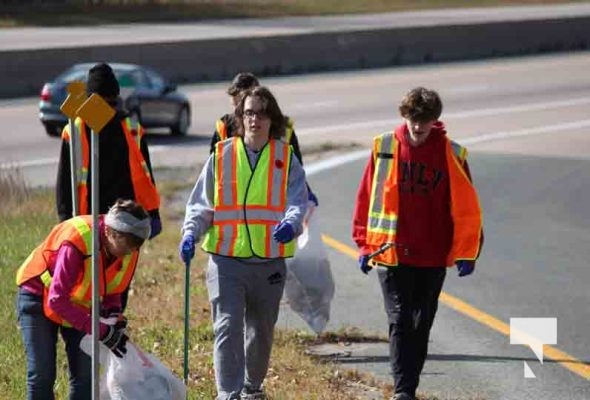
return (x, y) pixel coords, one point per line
(40, 339)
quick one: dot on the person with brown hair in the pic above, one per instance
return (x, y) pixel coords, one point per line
(55, 290)
(227, 125)
(248, 206)
(416, 213)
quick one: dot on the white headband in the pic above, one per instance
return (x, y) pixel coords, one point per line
(124, 222)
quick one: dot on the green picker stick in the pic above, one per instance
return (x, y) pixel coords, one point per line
(187, 278)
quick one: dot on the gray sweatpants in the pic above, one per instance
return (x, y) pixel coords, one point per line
(245, 300)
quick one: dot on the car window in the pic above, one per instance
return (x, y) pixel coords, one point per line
(157, 82)
(74, 74)
(134, 78)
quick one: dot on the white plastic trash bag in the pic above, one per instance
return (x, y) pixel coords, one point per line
(309, 288)
(137, 375)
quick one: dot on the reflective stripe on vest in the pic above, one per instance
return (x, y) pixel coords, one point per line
(289, 129)
(82, 161)
(249, 203)
(145, 191)
(221, 129)
(77, 231)
(383, 206)
(384, 202)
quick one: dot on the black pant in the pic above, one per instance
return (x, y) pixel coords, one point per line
(411, 298)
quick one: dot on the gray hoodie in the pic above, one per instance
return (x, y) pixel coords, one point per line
(199, 207)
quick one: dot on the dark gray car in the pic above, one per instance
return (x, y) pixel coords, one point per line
(144, 92)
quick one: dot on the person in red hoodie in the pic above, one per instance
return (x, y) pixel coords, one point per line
(416, 213)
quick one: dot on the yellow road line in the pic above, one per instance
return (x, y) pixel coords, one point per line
(562, 358)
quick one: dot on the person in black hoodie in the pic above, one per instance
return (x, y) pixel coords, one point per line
(125, 170)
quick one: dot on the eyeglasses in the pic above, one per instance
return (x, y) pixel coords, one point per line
(250, 114)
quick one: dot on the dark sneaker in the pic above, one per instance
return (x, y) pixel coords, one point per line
(402, 396)
(252, 394)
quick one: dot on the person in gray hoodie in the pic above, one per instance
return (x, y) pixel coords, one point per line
(248, 206)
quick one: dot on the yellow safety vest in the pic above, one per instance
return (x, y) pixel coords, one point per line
(77, 231)
(249, 202)
(384, 203)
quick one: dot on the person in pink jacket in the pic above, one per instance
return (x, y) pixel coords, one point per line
(54, 296)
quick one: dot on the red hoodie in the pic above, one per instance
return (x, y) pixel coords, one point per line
(424, 226)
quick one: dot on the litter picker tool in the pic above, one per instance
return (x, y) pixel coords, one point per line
(384, 247)
(187, 278)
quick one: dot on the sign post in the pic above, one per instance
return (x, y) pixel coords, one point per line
(76, 96)
(96, 113)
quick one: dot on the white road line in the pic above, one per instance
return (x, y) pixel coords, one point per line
(54, 160)
(31, 163)
(313, 105)
(486, 112)
(486, 137)
(393, 122)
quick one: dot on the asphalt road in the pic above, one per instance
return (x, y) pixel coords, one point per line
(525, 122)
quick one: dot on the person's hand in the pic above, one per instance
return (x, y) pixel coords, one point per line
(116, 337)
(283, 232)
(156, 225)
(465, 267)
(364, 264)
(312, 197)
(114, 317)
(186, 250)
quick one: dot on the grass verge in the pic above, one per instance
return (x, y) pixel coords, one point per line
(79, 12)
(155, 311)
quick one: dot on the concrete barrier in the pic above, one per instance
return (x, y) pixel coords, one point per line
(23, 72)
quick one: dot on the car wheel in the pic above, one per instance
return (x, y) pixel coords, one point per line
(182, 123)
(53, 130)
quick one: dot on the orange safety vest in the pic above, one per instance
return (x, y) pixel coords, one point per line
(384, 203)
(221, 129)
(144, 188)
(248, 202)
(114, 278)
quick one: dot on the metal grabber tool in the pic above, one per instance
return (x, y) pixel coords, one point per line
(384, 247)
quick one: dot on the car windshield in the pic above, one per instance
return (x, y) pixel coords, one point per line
(77, 73)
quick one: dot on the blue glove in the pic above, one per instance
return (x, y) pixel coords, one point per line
(312, 197)
(156, 225)
(283, 233)
(465, 267)
(186, 250)
(364, 264)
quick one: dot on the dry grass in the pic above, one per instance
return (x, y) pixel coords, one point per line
(13, 188)
(156, 306)
(83, 12)
(156, 311)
